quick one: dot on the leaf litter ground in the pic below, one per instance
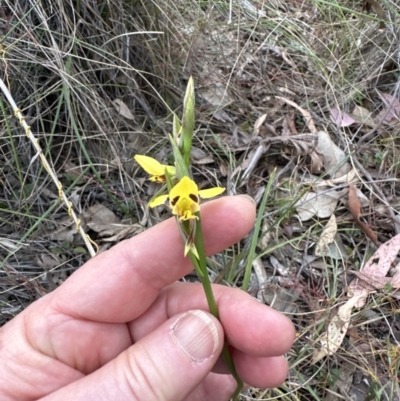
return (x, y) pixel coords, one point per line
(309, 88)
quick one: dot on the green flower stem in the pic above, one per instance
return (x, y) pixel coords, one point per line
(181, 142)
(200, 266)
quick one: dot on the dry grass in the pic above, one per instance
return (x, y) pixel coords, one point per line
(66, 63)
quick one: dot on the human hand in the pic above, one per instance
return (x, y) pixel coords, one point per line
(122, 328)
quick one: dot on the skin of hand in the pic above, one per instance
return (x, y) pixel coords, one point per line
(122, 327)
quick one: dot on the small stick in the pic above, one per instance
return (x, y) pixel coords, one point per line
(28, 132)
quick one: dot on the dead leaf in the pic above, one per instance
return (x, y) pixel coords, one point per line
(224, 169)
(391, 109)
(126, 231)
(266, 235)
(282, 52)
(378, 282)
(201, 157)
(197, 153)
(286, 132)
(250, 162)
(321, 204)
(336, 331)
(278, 266)
(316, 163)
(363, 116)
(223, 116)
(327, 237)
(48, 262)
(290, 118)
(367, 4)
(298, 145)
(12, 245)
(365, 202)
(216, 95)
(99, 218)
(259, 270)
(336, 249)
(333, 157)
(72, 169)
(341, 119)
(122, 109)
(205, 160)
(344, 382)
(282, 296)
(354, 202)
(65, 231)
(258, 124)
(351, 176)
(378, 266)
(103, 221)
(355, 210)
(305, 113)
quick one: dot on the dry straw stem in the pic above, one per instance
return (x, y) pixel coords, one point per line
(320, 55)
(49, 169)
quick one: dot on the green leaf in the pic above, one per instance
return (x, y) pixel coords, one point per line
(177, 130)
(57, 251)
(180, 165)
(257, 228)
(80, 250)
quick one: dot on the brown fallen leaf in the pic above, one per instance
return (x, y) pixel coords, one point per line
(351, 176)
(333, 157)
(354, 206)
(377, 266)
(307, 116)
(341, 119)
(216, 94)
(122, 109)
(258, 124)
(367, 4)
(322, 204)
(336, 331)
(327, 237)
(391, 109)
(378, 282)
(363, 116)
(107, 225)
(316, 164)
(65, 231)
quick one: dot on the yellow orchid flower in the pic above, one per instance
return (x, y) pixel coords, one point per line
(154, 168)
(184, 198)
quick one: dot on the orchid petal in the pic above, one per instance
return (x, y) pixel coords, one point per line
(184, 187)
(184, 198)
(150, 165)
(160, 200)
(154, 168)
(211, 192)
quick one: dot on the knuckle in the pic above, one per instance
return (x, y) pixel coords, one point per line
(143, 377)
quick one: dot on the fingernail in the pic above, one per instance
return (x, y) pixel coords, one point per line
(248, 197)
(196, 335)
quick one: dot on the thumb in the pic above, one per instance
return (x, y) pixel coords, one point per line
(166, 365)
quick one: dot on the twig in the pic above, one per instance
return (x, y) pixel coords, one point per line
(28, 132)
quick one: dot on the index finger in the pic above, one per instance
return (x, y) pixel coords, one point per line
(120, 284)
